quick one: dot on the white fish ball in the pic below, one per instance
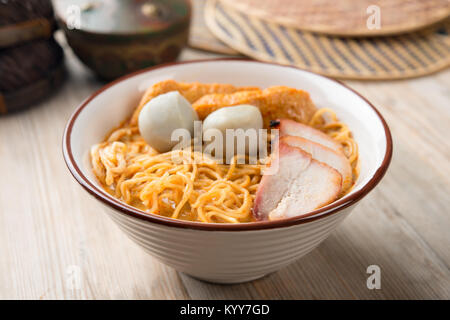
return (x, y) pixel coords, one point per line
(242, 116)
(164, 114)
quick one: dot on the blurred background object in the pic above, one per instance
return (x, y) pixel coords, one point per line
(116, 37)
(401, 56)
(25, 20)
(31, 61)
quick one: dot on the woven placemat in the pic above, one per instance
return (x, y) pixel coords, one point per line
(399, 57)
(200, 37)
(347, 17)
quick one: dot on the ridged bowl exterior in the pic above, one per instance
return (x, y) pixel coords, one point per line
(227, 256)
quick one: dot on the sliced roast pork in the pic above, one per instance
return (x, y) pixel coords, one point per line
(334, 159)
(292, 128)
(296, 185)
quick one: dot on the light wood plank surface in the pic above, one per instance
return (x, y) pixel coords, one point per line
(50, 227)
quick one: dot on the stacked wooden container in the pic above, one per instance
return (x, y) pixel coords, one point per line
(31, 61)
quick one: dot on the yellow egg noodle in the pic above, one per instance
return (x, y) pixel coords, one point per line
(176, 184)
(133, 172)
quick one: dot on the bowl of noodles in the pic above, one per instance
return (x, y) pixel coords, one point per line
(322, 147)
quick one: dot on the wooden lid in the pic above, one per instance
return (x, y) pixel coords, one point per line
(16, 11)
(123, 17)
(25, 20)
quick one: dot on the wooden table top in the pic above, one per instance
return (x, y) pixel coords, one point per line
(51, 230)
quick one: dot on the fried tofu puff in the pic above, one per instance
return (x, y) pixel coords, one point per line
(191, 91)
(274, 102)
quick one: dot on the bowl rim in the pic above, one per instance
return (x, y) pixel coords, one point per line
(128, 210)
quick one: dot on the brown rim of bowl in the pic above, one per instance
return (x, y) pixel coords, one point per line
(259, 225)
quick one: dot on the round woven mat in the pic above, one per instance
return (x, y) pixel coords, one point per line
(200, 37)
(399, 57)
(347, 17)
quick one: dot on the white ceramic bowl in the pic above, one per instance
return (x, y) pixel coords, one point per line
(227, 253)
